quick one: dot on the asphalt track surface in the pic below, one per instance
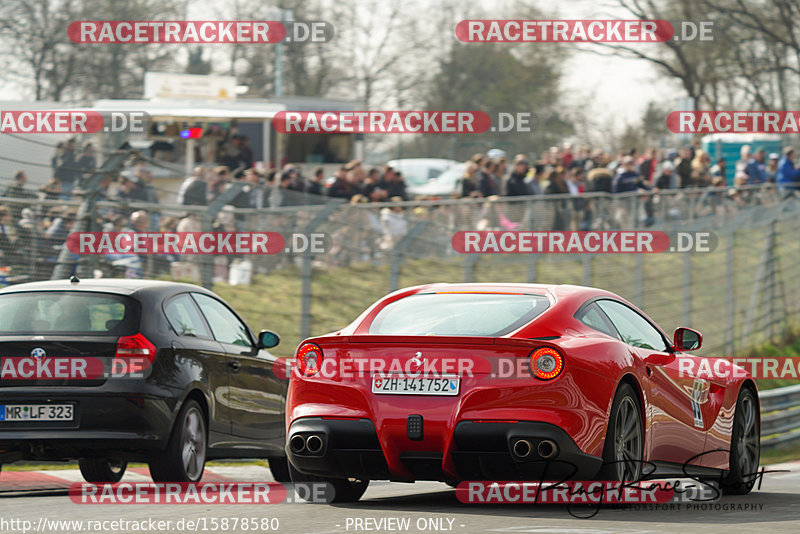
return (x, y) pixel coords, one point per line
(41, 498)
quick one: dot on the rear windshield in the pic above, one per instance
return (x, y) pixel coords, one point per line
(458, 314)
(67, 312)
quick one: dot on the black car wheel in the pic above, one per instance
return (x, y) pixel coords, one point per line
(337, 490)
(102, 470)
(622, 454)
(185, 456)
(745, 446)
(279, 467)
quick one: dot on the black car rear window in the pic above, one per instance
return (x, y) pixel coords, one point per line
(68, 312)
(458, 314)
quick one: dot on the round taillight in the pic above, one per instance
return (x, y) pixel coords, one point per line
(546, 363)
(309, 359)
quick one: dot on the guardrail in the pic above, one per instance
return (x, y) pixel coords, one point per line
(780, 417)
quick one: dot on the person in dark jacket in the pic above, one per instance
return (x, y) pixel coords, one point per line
(787, 173)
(315, 186)
(757, 168)
(17, 190)
(469, 181)
(194, 189)
(667, 178)
(683, 168)
(87, 162)
(393, 183)
(558, 186)
(340, 188)
(515, 185)
(67, 171)
(488, 184)
(628, 180)
(600, 180)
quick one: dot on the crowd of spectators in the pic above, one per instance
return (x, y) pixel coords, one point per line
(563, 170)
(32, 234)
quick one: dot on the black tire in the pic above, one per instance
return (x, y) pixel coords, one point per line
(338, 489)
(745, 446)
(184, 459)
(624, 447)
(102, 469)
(279, 467)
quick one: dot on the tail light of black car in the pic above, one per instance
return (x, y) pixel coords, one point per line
(134, 354)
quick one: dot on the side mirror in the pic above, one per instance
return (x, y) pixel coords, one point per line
(267, 339)
(686, 339)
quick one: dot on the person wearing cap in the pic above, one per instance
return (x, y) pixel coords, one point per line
(628, 180)
(772, 167)
(667, 179)
(756, 169)
(787, 175)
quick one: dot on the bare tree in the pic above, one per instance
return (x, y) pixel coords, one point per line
(33, 34)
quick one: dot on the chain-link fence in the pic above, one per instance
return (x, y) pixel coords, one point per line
(744, 292)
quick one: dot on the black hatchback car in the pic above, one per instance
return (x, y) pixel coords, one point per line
(108, 371)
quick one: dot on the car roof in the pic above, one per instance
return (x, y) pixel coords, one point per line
(119, 286)
(557, 290)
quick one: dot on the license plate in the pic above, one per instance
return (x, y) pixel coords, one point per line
(398, 385)
(36, 412)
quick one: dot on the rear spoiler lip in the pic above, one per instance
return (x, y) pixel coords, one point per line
(431, 340)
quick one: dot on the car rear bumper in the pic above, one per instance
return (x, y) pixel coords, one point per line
(476, 451)
(103, 421)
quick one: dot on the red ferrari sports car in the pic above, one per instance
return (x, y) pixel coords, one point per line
(456, 382)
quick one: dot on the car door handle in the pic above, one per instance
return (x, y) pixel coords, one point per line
(234, 364)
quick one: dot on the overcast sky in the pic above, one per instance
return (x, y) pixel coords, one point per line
(618, 89)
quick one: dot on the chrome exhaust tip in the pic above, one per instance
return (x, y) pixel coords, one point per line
(522, 448)
(297, 444)
(547, 448)
(314, 444)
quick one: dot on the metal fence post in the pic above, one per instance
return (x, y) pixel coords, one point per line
(730, 301)
(533, 263)
(469, 267)
(207, 222)
(588, 263)
(398, 252)
(687, 289)
(770, 277)
(306, 272)
(638, 280)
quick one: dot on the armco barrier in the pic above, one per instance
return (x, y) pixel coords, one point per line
(780, 417)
